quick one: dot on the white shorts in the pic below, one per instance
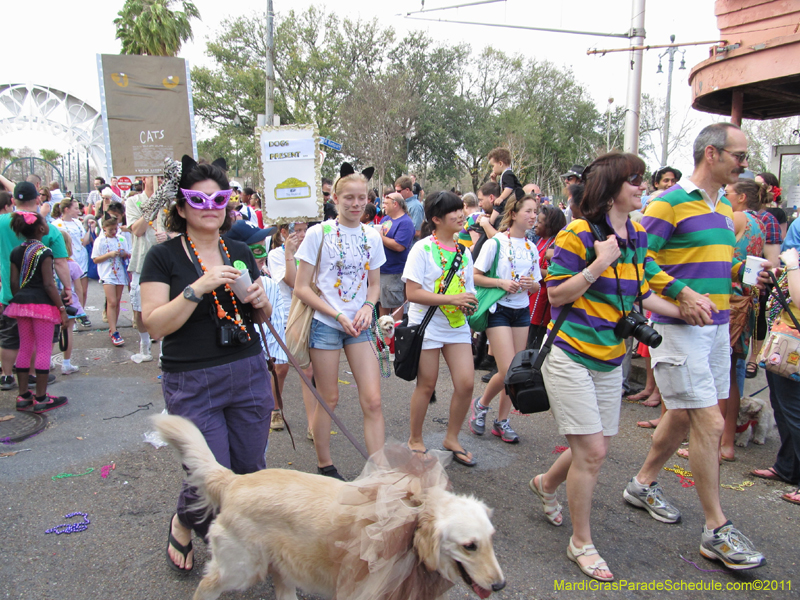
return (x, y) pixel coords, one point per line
(692, 365)
(582, 401)
(136, 295)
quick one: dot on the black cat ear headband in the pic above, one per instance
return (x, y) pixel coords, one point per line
(347, 169)
(188, 163)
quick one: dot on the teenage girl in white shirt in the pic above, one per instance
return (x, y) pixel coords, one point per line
(448, 331)
(518, 275)
(349, 281)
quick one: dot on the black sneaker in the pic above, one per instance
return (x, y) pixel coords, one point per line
(485, 378)
(84, 321)
(49, 403)
(51, 379)
(7, 382)
(330, 471)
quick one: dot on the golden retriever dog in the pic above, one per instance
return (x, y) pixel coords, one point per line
(395, 533)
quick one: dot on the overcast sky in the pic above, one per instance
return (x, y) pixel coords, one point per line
(57, 44)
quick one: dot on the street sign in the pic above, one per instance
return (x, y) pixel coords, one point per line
(124, 183)
(330, 144)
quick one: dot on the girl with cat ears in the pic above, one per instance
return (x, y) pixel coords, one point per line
(349, 287)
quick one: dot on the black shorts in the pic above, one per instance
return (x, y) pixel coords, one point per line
(9, 333)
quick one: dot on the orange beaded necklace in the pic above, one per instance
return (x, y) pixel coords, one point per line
(221, 311)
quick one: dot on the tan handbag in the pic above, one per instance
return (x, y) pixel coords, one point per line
(298, 324)
(780, 353)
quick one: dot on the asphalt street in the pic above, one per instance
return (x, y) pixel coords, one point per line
(122, 552)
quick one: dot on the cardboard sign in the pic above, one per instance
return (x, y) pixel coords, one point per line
(292, 183)
(147, 111)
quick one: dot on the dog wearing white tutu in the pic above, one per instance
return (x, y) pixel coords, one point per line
(395, 533)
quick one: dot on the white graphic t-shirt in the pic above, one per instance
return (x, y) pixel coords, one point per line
(424, 267)
(524, 261)
(352, 265)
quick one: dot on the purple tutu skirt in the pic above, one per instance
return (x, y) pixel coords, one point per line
(46, 312)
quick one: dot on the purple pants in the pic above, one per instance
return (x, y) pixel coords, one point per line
(231, 405)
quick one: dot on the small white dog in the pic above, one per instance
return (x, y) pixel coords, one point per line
(756, 420)
(396, 533)
(386, 325)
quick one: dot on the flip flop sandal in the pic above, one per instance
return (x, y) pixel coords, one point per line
(788, 497)
(462, 461)
(647, 424)
(773, 475)
(751, 370)
(651, 405)
(184, 550)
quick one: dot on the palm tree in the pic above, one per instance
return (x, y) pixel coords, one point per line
(150, 27)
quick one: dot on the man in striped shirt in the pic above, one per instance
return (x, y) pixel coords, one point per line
(691, 237)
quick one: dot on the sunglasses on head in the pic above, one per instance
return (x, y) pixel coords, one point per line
(635, 179)
(197, 199)
(259, 250)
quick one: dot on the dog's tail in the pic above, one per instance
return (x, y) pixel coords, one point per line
(204, 472)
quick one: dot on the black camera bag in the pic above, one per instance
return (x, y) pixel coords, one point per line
(524, 382)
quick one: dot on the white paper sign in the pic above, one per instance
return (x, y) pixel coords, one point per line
(286, 149)
(292, 187)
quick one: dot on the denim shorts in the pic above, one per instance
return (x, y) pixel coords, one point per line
(325, 337)
(509, 317)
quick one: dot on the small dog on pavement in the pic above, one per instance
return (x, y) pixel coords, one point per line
(395, 533)
(756, 420)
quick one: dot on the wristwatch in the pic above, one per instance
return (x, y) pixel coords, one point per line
(189, 294)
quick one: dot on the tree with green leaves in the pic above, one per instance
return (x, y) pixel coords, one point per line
(6, 154)
(151, 27)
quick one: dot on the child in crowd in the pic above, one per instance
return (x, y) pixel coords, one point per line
(109, 254)
(75, 274)
(37, 307)
(282, 266)
(500, 162)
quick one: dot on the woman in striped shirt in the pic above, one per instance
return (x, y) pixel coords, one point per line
(602, 280)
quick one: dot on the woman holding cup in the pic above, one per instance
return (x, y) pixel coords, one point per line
(213, 371)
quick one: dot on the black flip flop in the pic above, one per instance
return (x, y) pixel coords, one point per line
(462, 461)
(773, 477)
(751, 370)
(171, 541)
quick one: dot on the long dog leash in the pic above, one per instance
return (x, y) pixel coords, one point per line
(313, 389)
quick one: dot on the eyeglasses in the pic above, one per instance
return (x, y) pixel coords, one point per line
(635, 179)
(739, 156)
(199, 200)
(259, 250)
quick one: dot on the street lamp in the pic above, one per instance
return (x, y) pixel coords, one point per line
(608, 126)
(671, 52)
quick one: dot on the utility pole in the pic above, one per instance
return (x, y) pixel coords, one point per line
(635, 79)
(270, 109)
(608, 125)
(671, 53)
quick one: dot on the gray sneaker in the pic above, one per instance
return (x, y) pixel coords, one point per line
(731, 547)
(652, 499)
(477, 417)
(502, 429)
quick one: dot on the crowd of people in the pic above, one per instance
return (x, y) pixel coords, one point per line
(623, 265)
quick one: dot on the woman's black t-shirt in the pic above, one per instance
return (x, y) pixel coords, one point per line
(33, 292)
(194, 345)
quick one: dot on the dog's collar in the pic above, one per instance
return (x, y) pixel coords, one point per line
(741, 428)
